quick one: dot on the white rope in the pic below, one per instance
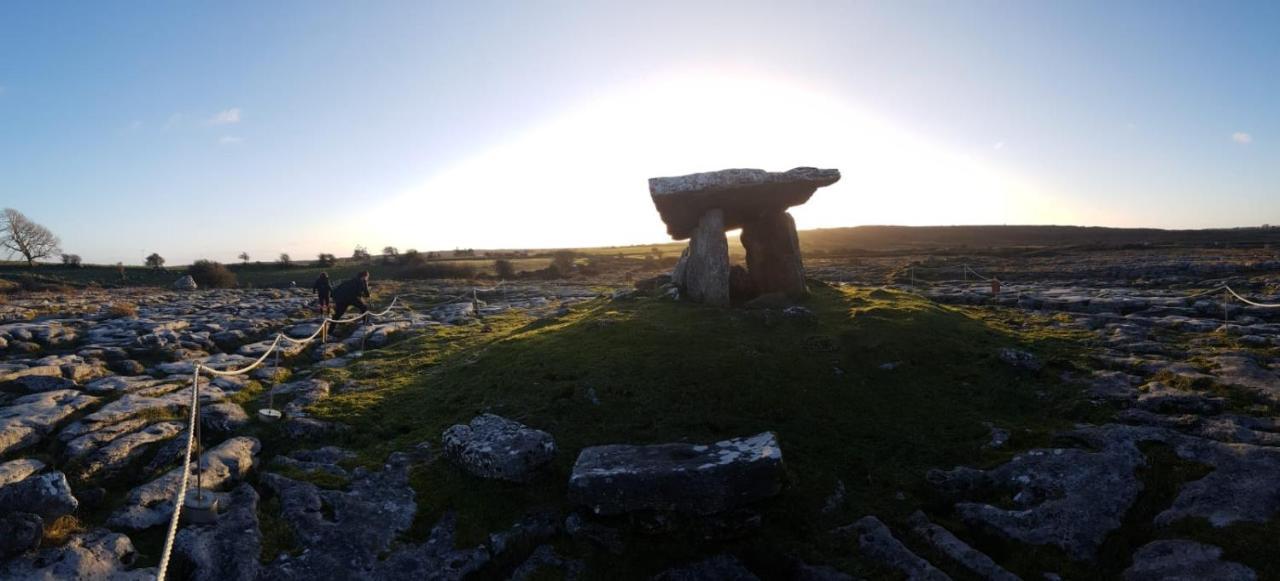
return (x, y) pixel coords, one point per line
(195, 406)
(1247, 301)
(980, 277)
(186, 475)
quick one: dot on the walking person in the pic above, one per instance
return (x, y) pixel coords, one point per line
(323, 292)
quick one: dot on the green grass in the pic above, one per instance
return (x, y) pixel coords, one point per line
(666, 371)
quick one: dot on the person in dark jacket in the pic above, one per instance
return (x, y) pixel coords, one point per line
(351, 293)
(323, 292)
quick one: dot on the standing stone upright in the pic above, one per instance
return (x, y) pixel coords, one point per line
(706, 270)
(703, 206)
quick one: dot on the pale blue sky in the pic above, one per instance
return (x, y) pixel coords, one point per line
(205, 129)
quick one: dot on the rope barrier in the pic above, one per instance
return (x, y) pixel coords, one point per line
(1247, 301)
(195, 412)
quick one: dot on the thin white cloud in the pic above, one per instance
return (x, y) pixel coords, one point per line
(229, 140)
(226, 117)
(1242, 138)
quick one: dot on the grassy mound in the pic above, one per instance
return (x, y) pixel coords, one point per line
(873, 391)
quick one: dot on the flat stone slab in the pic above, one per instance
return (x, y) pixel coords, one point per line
(743, 194)
(685, 478)
(30, 418)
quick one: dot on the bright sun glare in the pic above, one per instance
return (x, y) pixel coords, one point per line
(581, 179)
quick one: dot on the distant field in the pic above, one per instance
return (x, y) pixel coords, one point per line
(830, 242)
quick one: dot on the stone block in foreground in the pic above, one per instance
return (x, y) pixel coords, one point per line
(684, 478)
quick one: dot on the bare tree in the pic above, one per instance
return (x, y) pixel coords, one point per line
(360, 254)
(244, 257)
(389, 254)
(22, 237)
(285, 261)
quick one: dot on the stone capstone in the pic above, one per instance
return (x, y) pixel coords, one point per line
(743, 194)
(683, 478)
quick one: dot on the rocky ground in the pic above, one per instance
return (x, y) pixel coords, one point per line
(94, 388)
(94, 395)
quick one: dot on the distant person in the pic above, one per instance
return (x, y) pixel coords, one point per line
(351, 293)
(323, 291)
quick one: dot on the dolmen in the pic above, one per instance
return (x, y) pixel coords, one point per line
(701, 207)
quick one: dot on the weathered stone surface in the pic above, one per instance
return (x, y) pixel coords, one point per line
(82, 445)
(1241, 488)
(706, 268)
(437, 559)
(878, 543)
(495, 447)
(717, 568)
(30, 418)
(1178, 560)
(543, 559)
(228, 549)
(98, 554)
(742, 193)
(1068, 497)
(773, 254)
(115, 456)
(1244, 372)
(38, 384)
(152, 503)
(685, 478)
(222, 419)
(19, 532)
(305, 393)
(35, 371)
(959, 551)
(16, 470)
(361, 524)
(47, 495)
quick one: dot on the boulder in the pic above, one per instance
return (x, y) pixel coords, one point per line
(1179, 559)
(494, 447)
(151, 504)
(185, 283)
(684, 478)
(743, 194)
(47, 495)
(97, 554)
